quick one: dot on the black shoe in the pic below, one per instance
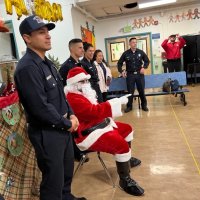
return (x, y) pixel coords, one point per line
(128, 109)
(80, 198)
(145, 109)
(134, 162)
(130, 186)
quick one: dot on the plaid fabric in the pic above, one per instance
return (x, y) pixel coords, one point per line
(19, 175)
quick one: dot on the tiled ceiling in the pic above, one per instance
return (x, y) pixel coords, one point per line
(102, 9)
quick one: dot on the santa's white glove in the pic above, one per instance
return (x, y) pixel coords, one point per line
(124, 99)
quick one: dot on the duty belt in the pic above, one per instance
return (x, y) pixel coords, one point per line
(101, 125)
(133, 72)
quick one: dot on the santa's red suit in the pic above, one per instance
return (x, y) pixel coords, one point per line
(113, 137)
(97, 130)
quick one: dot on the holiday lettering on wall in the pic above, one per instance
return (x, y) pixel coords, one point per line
(19, 6)
(42, 8)
(47, 11)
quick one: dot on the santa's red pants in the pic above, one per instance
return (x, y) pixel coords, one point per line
(114, 142)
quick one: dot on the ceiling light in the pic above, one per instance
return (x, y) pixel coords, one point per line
(155, 3)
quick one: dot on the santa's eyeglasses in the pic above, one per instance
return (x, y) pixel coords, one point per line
(84, 81)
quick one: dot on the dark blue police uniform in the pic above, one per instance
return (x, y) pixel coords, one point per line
(66, 66)
(64, 70)
(94, 80)
(41, 93)
(134, 62)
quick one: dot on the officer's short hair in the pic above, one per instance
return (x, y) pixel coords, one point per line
(86, 46)
(133, 38)
(74, 41)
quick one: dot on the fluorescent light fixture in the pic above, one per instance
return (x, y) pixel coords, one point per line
(155, 3)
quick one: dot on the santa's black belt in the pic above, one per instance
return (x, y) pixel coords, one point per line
(101, 125)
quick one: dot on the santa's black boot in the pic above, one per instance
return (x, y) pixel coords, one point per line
(133, 161)
(126, 182)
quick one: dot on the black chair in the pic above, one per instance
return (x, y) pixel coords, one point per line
(84, 157)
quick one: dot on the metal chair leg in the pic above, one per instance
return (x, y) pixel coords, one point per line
(139, 103)
(105, 169)
(83, 158)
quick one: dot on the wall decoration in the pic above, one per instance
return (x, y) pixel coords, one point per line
(88, 35)
(47, 11)
(127, 29)
(196, 13)
(141, 23)
(19, 6)
(11, 114)
(117, 49)
(19, 173)
(15, 144)
(189, 15)
(42, 8)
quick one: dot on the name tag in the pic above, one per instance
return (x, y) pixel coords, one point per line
(48, 77)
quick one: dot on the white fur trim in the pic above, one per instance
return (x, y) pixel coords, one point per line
(65, 90)
(123, 157)
(77, 78)
(116, 107)
(129, 137)
(95, 135)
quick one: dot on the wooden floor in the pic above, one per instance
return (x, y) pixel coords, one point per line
(167, 140)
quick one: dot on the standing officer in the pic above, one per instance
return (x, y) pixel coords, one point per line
(90, 68)
(136, 61)
(49, 116)
(76, 52)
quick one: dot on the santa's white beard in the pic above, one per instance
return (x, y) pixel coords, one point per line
(83, 88)
(89, 93)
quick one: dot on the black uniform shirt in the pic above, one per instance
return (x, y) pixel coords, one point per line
(66, 66)
(90, 69)
(133, 60)
(40, 90)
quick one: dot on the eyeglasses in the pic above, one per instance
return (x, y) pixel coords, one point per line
(84, 81)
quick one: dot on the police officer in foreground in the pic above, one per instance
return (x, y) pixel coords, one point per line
(136, 61)
(91, 69)
(49, 116)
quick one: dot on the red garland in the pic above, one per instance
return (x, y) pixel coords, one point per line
(9, 100)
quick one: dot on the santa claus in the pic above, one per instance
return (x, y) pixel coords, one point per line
(98, 131)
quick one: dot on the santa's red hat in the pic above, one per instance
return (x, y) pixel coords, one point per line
(77, 74)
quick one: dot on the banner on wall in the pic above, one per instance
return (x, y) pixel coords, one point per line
(190, 14)
(87, 36)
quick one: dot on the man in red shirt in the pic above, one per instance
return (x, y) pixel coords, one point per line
(172, 48)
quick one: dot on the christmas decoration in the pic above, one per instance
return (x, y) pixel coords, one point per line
(55, 61)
